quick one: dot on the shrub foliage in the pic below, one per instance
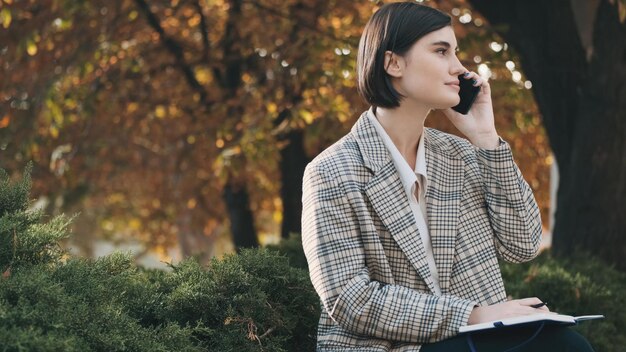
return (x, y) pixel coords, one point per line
(578, 285)
(49, 301)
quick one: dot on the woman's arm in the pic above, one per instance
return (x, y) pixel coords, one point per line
(513, 212)
(338, 267)
(512, 209)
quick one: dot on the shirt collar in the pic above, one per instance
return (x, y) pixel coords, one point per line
(407, 176)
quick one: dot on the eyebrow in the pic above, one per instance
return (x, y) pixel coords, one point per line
(446, 44)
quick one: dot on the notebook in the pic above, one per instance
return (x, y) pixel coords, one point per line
(525, 319)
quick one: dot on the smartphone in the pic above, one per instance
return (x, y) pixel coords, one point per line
(468, 93)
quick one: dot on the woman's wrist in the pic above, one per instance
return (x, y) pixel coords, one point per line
(474, 317)
(486, 141)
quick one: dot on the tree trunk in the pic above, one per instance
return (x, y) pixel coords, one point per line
(292, 163)
(582, 96)
(240, 215)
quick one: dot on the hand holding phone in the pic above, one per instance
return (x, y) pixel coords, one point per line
(468, 93)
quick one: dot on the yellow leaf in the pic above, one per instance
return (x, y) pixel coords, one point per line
(134, 224)
(277, 216)
(31, 48)
(70, 103)
(203, 75)
(115, 198)
(306, 116)
(132, 107)
(271, 108)
(54, 132)
(173, 111)
(160, 111)
(5, 17)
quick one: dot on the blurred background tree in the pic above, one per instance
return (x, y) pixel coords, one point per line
(188, 123)
(574, 52)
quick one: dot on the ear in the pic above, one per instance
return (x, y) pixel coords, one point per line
(393, 64)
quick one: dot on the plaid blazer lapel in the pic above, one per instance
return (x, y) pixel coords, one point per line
(443, 196)
(388, 198)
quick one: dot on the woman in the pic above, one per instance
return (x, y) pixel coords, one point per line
(402, 225)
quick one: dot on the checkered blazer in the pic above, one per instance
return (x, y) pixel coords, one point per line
(365, 255)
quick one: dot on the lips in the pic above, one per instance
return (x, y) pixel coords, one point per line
(456, 83)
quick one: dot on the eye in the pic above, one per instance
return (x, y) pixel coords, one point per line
(441, 51)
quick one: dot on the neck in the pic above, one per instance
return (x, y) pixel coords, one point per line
(404, 125)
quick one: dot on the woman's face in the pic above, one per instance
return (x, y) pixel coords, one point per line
(427, 73)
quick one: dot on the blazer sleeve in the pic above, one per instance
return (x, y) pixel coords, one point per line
(338, 268)
(511, 206)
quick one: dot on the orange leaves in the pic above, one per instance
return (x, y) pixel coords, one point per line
(4, 122)
(549, 160)
(118, 91)
(132, 107)
(194, 20)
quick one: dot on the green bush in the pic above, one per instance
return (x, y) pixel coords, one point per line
(49, 301)
(577, 286)
(292, 248)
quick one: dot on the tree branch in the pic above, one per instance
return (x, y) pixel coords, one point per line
(176, 50)
(353, 43)
(203, 30)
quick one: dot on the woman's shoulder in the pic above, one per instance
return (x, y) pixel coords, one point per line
(340, 158)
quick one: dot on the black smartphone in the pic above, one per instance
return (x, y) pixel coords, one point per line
(468, 93)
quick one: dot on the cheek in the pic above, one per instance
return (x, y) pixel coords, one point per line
(418, 83)
(431, 91)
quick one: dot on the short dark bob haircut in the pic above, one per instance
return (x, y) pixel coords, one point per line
(394, 27)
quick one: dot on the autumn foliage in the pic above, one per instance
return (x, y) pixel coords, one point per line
(141, 114)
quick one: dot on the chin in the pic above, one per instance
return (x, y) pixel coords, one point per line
(449, 103)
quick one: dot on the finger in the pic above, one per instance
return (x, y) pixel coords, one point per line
(474, 78)
(471, 75)
(528, 301)
(478, 81)
(486, 88)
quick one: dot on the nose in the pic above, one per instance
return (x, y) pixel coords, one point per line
(456, 68)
